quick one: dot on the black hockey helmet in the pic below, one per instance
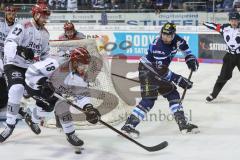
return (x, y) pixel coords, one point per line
(169, 28)
(234, 15)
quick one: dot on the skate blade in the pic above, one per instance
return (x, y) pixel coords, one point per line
(209, 101)
(193, 131)
(131, 135)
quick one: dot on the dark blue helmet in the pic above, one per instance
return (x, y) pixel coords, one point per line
(234, 15)
(169, 28)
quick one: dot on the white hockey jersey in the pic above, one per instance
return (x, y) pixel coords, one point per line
(4, 30)
(39, 70)
(26, 34)
(63, 80)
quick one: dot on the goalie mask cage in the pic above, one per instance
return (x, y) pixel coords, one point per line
(114, 110)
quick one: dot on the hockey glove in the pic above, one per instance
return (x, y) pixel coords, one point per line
(181, 81)
(26, 53)
(46, 88)
(192, 62)
(92, 114)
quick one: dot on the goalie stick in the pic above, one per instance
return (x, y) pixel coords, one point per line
(158, 147)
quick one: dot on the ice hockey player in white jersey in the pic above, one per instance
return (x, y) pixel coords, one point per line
(5, 26)
(70, 33)
(46, 77)
(25, 44)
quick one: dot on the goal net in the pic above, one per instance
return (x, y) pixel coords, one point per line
(112, 108)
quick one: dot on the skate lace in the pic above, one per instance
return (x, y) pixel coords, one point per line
(74, 137)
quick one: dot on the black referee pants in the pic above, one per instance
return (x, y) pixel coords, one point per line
(230, 61)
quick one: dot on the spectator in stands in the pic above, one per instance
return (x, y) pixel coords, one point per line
(57, 4)
(228, 5)
(112, 5)
(72, 5)
(149, 4)
(98, 3)
(162, 4)
(146, 5)
(199, 5)
(236, 5)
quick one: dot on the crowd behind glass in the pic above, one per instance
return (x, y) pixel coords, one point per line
(134, 5)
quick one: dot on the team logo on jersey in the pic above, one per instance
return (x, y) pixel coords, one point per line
(34, 46)
(158, 52)
(16, 75)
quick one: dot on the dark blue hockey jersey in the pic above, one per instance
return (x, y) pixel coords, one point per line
(160, 55)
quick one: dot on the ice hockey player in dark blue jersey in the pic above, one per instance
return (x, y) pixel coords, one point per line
(156, 78)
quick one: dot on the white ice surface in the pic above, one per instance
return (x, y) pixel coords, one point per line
(219, 123)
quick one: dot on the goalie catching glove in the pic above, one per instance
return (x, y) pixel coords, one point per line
(92, 114)
(26, 53)
(46, 88)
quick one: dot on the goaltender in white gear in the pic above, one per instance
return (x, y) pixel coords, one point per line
(46, 77)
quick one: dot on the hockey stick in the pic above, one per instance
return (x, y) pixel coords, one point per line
(125, 77)
(150, 149)
(185, 90)
(133, 80)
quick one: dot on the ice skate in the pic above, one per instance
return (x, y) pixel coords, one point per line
(6, 132)
(184, 126)
(130, 131)
(209, 98)
(129, 127)
(28, 119)
(73, 139)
